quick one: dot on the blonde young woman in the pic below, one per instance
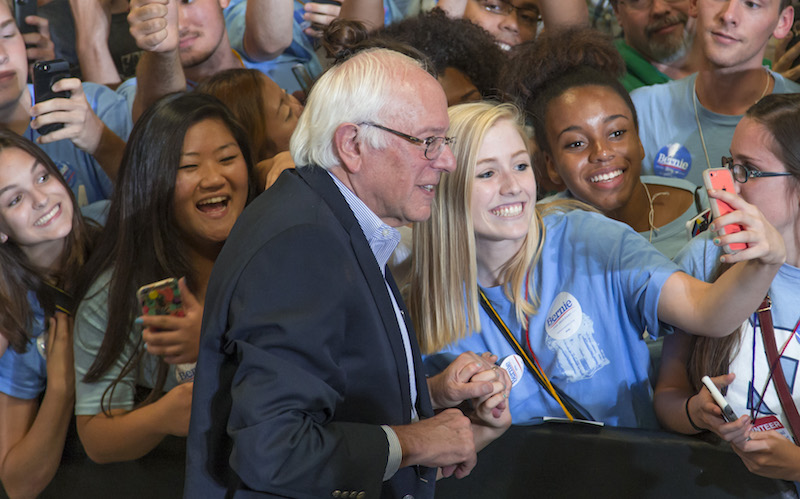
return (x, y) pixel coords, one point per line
(572, 286)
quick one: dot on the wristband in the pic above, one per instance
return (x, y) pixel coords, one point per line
(690, 417)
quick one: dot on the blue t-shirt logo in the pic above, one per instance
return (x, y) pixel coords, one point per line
(672, 160)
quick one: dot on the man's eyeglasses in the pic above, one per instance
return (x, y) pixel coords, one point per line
(433, 145)
(742, 173)
(645, 4)
(527, 16)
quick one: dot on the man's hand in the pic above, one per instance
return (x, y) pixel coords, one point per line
(443, 441)
(81, 125)
(38, 45)
(154, 24)
(455, 385)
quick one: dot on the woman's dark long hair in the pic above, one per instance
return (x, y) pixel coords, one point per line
(141, 242)
(18, 275)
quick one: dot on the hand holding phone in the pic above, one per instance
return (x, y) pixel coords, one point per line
(723, 404)
(166, 298)
(721, 179)
(23, 9)
(45, 75)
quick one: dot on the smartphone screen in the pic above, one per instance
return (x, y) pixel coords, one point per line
(721, 179)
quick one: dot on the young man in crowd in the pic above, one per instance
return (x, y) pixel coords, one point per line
(687, 125)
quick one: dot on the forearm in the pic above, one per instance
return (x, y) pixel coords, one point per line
(157, 75)
(484, 435)
(109, 152)
(268, 28)
(670, 407)
(369, 12)
(564, 13)
(33, 461)
(96, 62)
(91, 42)
(123, 436)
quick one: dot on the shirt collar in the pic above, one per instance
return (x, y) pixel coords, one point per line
(382, 238)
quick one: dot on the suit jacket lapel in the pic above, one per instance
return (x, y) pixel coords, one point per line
(319, 180)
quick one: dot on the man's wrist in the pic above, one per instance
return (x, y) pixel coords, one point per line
(395, 453)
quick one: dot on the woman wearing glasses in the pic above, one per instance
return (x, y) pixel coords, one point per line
(766, 165)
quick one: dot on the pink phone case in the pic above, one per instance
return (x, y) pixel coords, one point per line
(721, 179)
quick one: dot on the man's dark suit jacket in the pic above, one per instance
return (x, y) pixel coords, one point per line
(301, 357)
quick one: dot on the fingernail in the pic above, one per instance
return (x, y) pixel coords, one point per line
(722, 259)
(479, 364)
(716, 241)
(138, 321)
(145, 346)
(712, 227)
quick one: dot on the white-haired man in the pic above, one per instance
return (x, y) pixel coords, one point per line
(309, 379)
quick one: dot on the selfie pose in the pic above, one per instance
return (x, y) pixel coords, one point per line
(43, 245)
(572, 289)
(756, 366)
(185, 178)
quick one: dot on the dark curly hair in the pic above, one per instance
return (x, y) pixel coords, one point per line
(454, 43)
(556, 61)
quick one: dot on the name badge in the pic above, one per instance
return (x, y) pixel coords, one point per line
(772, 422)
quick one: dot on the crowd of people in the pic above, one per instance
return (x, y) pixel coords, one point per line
(320, 239)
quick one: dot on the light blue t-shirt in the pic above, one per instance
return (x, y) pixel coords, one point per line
(82, 172)
(91, 321)
(669, 133)
(599, 284)
(24, 375)
(700, 258)
(669, 238)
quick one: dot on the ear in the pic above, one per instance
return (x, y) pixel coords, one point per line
(693, 8)
(347, 147)
(224, 3)
(785, 21)
(552, 173)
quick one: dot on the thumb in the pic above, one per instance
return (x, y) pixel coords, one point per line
(723, 380)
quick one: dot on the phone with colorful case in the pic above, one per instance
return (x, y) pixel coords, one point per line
(721, 179)
(161, 298)
(164, 298)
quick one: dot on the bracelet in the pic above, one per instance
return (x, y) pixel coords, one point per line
(690, 417)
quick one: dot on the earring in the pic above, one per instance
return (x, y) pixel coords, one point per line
(3, 238)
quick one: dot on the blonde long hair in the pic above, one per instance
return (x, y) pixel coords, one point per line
(443, 288)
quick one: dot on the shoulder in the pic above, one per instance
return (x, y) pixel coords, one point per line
(784, 85)
(654, 94)
(674, 182)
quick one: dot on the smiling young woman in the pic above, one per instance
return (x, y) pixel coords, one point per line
(43, 244)
(186, 177)
(572, 289)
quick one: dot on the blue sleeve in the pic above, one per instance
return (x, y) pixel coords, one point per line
(128, 92)
(700, 257)
(24, 375)
(110, 107)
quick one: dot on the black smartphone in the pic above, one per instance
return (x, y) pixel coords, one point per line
(45, 74)
(23, 9)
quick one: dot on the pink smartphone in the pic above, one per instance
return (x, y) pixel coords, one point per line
(721, 179)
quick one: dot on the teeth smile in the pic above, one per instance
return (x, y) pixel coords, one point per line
(504, 46)
(606, 176)
(428, 187)
(511, 210)
(46, 218)
(214, 200)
